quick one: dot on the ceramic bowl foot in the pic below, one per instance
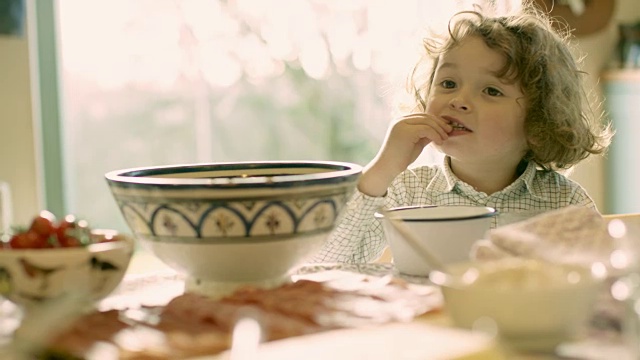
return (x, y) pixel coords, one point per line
(220, 289)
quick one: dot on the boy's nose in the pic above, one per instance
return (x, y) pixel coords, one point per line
(458, 104)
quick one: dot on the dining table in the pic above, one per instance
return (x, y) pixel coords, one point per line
(431, 335)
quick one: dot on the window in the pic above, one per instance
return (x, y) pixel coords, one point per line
(151, 82)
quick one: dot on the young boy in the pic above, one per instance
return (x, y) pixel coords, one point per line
(503, 100)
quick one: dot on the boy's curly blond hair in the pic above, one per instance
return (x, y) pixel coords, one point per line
(561, 126)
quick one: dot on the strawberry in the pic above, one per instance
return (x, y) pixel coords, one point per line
(43, 224)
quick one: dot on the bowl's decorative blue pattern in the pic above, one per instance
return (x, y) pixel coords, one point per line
(233, 202)
(221, 221)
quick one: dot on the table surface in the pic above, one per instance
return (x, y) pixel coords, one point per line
(151, 283)
(149, 276)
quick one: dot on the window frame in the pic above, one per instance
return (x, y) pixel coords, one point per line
(48, 122)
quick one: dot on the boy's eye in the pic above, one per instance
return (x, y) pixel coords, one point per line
(448, 84)
(492, 91)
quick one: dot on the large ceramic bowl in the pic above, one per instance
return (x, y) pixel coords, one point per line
(228, 224)
(448, 232)
(30, 276)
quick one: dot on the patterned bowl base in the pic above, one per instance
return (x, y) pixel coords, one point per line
(218, 289)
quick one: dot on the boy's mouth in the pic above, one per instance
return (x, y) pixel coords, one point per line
(458, 126)
(455, 124)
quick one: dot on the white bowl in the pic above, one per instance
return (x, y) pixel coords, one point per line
(447, 231)
(534, 306)
(225, 225)
(29, 276)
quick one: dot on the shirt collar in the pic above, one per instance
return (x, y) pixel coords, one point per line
(527, 177)
(450, 179)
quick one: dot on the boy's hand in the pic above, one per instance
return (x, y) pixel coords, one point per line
(403, 144)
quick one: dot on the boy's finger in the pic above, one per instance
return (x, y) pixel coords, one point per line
(419, 119)
(433, 133)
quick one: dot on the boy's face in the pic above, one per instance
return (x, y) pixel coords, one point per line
(466, 90)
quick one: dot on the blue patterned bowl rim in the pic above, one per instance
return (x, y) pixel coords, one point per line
(336, 172)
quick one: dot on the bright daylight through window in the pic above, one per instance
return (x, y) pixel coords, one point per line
(151, 82)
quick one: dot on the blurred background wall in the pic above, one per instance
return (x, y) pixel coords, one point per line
(21, 146)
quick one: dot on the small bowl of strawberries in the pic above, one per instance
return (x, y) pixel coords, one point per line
(51, 258)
